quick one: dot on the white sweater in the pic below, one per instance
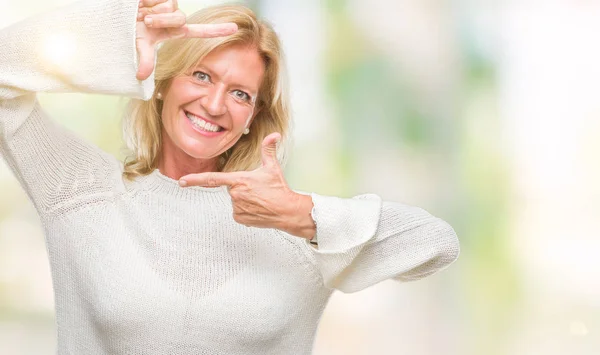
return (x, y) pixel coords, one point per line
(148, 267)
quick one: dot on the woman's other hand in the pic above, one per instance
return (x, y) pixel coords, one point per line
(262, 197)
(160, 20)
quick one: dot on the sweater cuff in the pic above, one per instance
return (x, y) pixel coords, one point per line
(344, 228)
(344, 225)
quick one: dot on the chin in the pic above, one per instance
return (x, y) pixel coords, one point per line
(201, 149)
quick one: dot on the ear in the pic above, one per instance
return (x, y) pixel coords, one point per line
(163, 88)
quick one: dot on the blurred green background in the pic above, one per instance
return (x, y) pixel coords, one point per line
(485, 113)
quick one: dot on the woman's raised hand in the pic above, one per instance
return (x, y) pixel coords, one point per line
(262, 198)
(160, 20)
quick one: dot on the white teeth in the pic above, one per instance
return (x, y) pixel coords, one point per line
(200, 123)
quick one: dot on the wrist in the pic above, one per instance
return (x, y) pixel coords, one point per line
(300, 222)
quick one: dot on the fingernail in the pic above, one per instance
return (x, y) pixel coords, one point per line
(140, 15)
(140, 4)
(182, 182)
(148, 21)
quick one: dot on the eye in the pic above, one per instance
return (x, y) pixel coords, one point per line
(239, 94)
(201, 76)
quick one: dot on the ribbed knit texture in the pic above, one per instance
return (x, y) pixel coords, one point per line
(148, 267)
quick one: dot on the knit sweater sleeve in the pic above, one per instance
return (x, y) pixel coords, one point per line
(88, 47)
(364, 240)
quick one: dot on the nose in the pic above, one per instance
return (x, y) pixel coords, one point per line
(214, 101)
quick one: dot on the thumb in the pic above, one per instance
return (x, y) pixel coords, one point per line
(269, 149)
(146, 59)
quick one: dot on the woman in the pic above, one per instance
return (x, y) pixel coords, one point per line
(196, 245)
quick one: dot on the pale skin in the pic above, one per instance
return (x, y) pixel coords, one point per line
(260, 198)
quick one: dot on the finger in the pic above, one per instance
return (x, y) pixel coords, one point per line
(176, 32)
(150, 3)
(211, 179)
(269, 149)
(162, 8)
(173, 19)
(210, 30)
(146, 59)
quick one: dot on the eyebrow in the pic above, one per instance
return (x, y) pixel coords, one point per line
(215, 75)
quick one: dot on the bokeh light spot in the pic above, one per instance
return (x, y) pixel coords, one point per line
(59, 47)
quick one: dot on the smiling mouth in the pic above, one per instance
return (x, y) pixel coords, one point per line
(202, 124)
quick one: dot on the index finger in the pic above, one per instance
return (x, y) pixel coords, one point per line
(213, 179)
(210, 30)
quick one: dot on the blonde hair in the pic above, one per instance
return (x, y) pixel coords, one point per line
(142, 127)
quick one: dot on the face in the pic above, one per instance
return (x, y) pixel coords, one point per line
(206, 110)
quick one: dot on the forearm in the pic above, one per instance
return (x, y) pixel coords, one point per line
(365, 240)
(88, 46)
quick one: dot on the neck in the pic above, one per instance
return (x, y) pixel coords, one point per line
(175, 163)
